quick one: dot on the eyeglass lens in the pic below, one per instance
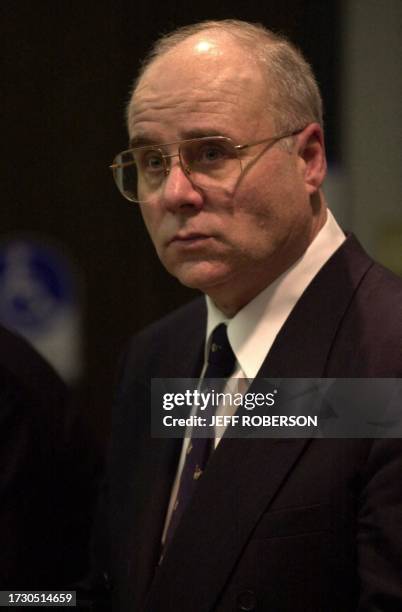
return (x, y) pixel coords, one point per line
(210, 163)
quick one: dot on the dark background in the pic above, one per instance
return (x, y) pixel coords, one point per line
(67, 70)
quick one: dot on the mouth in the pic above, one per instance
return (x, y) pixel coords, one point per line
(189, 239)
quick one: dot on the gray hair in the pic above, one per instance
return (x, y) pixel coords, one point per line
(294, 95)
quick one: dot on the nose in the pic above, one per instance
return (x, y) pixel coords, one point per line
(178, 192)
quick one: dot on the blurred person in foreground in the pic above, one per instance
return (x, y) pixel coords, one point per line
(226, 163)
(49, 471)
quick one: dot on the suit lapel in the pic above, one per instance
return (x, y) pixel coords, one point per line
(244, 475)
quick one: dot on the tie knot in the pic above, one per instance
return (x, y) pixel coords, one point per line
(221, 358)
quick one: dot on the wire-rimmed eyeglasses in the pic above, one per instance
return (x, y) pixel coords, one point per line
(209, 162)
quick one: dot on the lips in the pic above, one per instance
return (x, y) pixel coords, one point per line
(188, 238)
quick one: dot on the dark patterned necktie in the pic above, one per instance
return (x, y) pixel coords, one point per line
(221, 362)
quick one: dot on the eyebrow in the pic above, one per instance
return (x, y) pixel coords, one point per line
(141, 140)
(201, 133)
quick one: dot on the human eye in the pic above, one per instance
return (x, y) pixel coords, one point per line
(207, 154)
(149, 161)
(212, 152)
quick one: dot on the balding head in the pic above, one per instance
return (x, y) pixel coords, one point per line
(292, 95)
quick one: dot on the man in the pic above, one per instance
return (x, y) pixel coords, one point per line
(48, 475)
(226, 162)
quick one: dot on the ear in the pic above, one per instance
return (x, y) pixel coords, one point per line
(311, 151)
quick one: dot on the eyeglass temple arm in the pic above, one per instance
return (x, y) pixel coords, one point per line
(122, 165)
(273, 139)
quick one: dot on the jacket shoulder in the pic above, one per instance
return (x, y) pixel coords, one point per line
(370, 335)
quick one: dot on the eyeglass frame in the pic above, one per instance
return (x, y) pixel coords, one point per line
(187, 170)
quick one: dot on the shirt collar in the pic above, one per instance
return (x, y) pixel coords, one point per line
(253, 329)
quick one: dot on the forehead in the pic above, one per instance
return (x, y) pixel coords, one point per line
(210, 81)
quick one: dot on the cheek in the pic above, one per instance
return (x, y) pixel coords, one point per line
(264, 220)
(257, 212)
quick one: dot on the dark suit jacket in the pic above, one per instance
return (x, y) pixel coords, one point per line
(282, 525)
(48, 474)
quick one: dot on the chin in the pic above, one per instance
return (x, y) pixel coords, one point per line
(201, 275)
